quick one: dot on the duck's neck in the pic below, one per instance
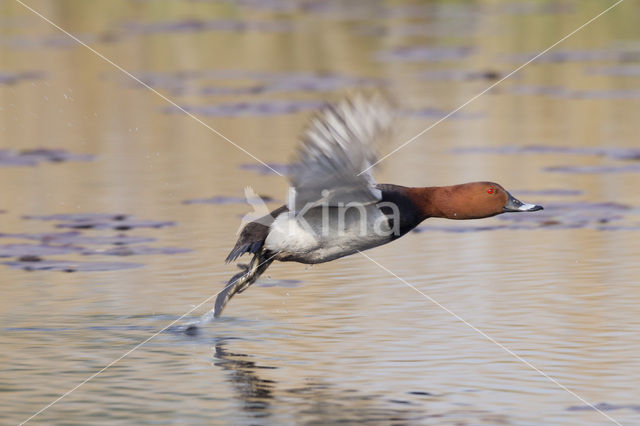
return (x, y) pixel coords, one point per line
(441, 201)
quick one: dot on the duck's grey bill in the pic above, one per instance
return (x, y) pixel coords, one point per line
(515, 205)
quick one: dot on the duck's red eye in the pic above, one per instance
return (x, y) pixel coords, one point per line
(491, 190)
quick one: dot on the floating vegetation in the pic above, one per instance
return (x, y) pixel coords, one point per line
(395, 30)
(124, 225)
(78, 217)
(420, 393)
(76, 237)
(234, 109)
(424, 54)
(197, 25)
(14, 78)
(461, 75)
(628, 168)
(19, 250)
(117, 222)
(137, 250)
(616, 153)
(35, 264)
(611, 152)
(59, 41)
(605, 406)
(297, 82)
(132, 29)
(562, 56)
(631, 70)
(430, 112)
(30, 256)
(365, 11)
(561, 92)
(242, 82)
(33, 157)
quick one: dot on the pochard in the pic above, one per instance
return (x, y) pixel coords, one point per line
(335, 208)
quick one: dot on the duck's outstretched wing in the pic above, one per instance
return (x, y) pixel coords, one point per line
(337, 146)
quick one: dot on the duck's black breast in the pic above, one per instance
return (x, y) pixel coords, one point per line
(397, 205)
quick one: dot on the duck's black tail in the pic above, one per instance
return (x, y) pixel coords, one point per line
(243, 279)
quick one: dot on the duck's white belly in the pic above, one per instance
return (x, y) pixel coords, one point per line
(326, 233)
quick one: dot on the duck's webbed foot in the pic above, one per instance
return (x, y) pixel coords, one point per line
(248, 274)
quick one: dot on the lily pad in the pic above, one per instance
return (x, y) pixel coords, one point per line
(123, 225)
(629, 168)
(461, 75)
(119, 222)
(561, 92)
(18, 250)
(631, 70)
(397, 30)
(79, 217)
(562, 56)
(435, 113)
(33, 157)
(13, 78)
(604, 406)
(424, 54)
(70, 266)
(244, 82)
(138, 250)
(617, 153)
(54, 41)
(77, 238)
(196, 25)
(249, 108)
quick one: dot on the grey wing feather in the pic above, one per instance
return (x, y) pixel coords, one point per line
(337, 146)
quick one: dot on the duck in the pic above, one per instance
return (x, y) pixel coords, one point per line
(334, 206)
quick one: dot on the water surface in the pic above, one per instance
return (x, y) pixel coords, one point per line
(143, 204)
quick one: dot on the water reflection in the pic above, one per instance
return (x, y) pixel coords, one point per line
(255, 392)
(319, 401)
(316, 402)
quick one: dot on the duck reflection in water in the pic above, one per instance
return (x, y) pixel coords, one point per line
(255, 392)
(315, 403)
